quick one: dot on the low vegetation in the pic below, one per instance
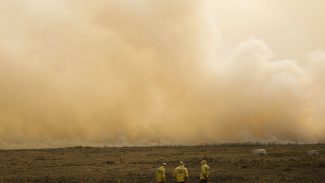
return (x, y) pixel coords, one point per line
(228, 162)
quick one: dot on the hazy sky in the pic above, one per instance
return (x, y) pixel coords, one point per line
(143, 72)
(290, 27)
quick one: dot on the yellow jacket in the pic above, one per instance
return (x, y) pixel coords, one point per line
(161, 174)
(181, 173)
(204, 173)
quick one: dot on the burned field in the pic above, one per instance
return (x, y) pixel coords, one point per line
(229, 163)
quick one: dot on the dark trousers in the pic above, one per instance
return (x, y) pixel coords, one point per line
(203, 181)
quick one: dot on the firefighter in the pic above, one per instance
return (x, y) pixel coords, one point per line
(161, 173)
(204, 172)
(181, 173)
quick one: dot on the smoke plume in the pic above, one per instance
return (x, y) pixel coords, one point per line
(143, 72)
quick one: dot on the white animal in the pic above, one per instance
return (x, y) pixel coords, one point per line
(257, 152)
(313, 153)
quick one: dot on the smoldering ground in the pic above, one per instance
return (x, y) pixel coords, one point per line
(146, 72)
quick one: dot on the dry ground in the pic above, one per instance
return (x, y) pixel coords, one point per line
(229, 163)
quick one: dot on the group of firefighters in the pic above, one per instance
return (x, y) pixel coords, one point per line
(181, 173)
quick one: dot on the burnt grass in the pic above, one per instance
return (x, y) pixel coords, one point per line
(228, 162)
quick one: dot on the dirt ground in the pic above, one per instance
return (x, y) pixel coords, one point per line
(229, 163)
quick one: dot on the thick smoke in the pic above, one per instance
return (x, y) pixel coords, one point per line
(143, 72)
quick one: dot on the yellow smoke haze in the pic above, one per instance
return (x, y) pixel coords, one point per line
(144, 72)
